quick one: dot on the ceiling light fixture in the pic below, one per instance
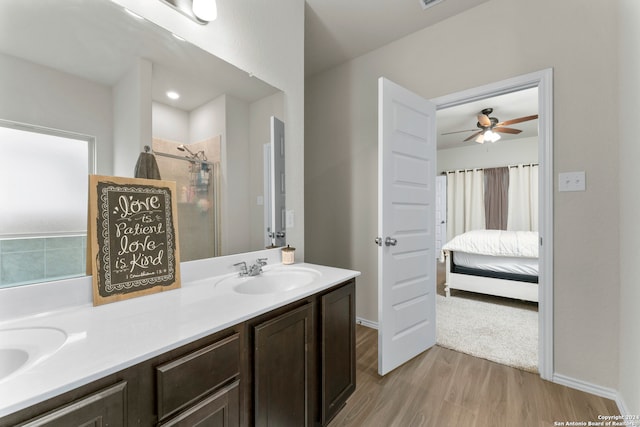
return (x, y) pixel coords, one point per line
(207, 10)
(487, 136)
(173, 95)
(200, 11)
(491, 136)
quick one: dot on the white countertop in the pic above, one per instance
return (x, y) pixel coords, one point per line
(106, 339)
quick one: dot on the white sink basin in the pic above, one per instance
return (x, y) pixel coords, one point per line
(23, 348)
(279, 279)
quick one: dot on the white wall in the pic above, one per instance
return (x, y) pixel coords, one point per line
(501, 153)
(267, 40)
(238, 174)
(260, 134)
(629, 89)
(45, 97)
(341, 153)
(169, 123)
(132, 117)
(243, 129)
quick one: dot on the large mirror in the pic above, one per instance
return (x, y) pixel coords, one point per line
(90, 69)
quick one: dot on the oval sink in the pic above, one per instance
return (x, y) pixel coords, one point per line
(279, 279)
(23, 348)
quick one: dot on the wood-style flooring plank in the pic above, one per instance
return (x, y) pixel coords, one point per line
(442, 387)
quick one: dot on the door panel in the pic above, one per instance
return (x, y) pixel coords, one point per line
(406, 215)
(278, 191)
(441, 212)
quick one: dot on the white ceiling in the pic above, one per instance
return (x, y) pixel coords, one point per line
(98, 41)
(505, 107)
(339, 30)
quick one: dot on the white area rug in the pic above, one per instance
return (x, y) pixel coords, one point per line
(505, 333)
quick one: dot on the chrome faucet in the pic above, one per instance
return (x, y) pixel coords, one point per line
(253, 270)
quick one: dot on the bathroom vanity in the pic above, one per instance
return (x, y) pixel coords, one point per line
(211, 352)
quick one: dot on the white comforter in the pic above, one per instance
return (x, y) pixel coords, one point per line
(495, 243)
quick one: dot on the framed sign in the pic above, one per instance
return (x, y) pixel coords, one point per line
(133, 237)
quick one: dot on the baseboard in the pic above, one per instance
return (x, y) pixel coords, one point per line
(587, 387)
(622, 406)
(630, 419)
(367, 323)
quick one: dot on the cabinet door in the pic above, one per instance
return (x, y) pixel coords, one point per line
(219, 410)
(338, 349)
(282, 369)
(104, 408)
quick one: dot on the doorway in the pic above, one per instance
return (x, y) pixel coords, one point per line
(541, 80)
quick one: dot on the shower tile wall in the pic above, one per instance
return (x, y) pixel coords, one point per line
(36, 260)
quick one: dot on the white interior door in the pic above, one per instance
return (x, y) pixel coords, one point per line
(278, 193)
(406, 222)
(267, 202)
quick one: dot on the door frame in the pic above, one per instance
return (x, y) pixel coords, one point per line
(543, 80)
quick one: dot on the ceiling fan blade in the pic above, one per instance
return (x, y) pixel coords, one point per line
(473, 136)
(507, 130)
(518, 120)
(484, 120)
(459, 131)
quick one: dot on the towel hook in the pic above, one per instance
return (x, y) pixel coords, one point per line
(147, 148)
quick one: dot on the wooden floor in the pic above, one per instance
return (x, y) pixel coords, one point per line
(445, 388)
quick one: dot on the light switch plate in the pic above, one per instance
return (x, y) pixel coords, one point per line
(572, 181)
(289, 218)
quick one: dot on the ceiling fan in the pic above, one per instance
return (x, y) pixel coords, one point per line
(490, 127)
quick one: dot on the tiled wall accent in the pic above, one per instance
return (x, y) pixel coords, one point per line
(41, 259)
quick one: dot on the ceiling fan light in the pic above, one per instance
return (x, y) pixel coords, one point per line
(207, 10)
(496, 136)
(480, 139)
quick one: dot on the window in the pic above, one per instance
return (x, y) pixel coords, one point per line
(43, 203)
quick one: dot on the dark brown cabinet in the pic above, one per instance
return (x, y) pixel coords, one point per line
(337, 349)
(293, 366)
(304, 360)
(196, 384)
(219, 410)
(187, 386)
(283, 369)
(106, 407)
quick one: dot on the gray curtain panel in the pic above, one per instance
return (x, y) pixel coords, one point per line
(496, 193)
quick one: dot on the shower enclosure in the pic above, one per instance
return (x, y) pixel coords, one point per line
(196, 170)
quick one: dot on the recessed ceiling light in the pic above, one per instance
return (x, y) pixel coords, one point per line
(173, 95)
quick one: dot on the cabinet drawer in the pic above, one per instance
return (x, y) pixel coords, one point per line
(220, 409)
(184, 380)
(106, 407)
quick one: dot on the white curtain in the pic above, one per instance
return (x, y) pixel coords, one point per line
(523, 198)
(465, 202)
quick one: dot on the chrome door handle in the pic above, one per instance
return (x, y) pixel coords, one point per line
(390, 241)
(378, 241)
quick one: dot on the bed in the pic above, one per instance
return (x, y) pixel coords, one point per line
(493, 262)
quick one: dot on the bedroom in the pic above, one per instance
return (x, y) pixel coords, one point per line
(595, 349)
(482, 188)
